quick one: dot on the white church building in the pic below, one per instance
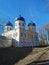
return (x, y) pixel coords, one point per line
(21, 36)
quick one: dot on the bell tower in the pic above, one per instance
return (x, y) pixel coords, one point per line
(20, 22)
(32, 26)
(8, 26)
(20, 27)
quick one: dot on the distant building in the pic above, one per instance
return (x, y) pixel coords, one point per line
(21, 36)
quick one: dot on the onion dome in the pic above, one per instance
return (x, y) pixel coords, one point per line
(20, 18)
(9, 24)
(31, 24)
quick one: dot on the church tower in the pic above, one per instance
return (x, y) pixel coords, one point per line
(20, 22)
(8, 26)
(19, 28)
(32, 26)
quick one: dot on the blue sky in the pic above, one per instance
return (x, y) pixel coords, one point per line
(38, 10)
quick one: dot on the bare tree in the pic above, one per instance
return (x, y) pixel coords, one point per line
(47, 29)
(42, 36)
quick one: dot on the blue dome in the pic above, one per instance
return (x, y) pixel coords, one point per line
(20, 18)
(9, 24)
(32, 24)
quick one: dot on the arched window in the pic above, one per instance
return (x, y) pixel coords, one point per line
(19, 23)
(7, 28)
(25, 34)
(21, 34)
(22, 24)
(10, 28)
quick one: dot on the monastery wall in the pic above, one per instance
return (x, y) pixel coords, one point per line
(5, 42)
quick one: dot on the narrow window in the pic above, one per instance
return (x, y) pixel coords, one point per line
(21, 34)
(19, 23)
(25, 34)
(10, 28)
(7, 28)
(22, 24)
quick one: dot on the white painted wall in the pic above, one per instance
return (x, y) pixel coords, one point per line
(5, 42)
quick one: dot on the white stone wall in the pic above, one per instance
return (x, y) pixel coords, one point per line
(22, 41)
(5, 42)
